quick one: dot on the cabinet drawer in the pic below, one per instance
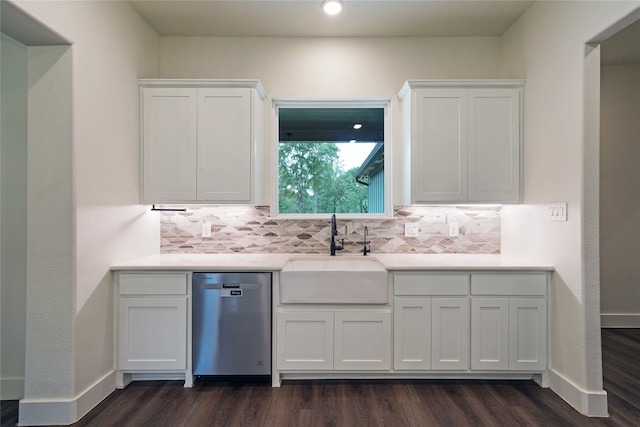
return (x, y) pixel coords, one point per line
(153, 283)
(509, 284)
(431, 284)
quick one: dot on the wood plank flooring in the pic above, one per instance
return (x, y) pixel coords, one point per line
(372, 403)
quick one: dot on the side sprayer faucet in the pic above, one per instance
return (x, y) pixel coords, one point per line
(334, 233)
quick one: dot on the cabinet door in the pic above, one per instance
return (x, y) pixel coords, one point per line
(490, 334)
(450, 333)
(412, 333)
(528, 334)
(169, 119)
(224, 145)
(439, 145)
(305, 340)
(494, 145)
(362, 340)
(152, 333)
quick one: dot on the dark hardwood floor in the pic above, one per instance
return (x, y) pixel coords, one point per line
(372, 403)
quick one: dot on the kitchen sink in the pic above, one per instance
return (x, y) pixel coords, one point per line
(334, 280)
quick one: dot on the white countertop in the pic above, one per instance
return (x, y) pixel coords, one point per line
(275, 262)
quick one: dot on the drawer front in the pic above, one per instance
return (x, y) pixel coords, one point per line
(431, 284)
(153, 283)
(534, 284)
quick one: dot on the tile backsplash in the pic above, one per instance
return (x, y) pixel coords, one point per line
(250, 229)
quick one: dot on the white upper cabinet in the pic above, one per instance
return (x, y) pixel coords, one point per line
(224, 144)
(169, 121)
(465, 140)
(201, 141)
(440, 145)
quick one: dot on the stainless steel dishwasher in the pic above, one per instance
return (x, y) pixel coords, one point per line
(231, 324)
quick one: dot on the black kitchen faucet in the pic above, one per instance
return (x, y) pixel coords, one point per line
(334, 233)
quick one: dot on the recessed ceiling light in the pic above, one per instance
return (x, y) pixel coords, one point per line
(332, 7)
(357, 126)
(352, 141)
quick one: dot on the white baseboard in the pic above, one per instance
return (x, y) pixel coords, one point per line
(617, 320)
(11, 388)
(65, 411)
(589, 403)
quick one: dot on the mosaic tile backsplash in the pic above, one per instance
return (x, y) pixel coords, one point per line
(250, 229)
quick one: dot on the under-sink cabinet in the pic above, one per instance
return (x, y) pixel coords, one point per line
(152, 327)
(338, 340)
(201, 141)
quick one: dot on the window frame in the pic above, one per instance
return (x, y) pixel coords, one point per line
(278, 103)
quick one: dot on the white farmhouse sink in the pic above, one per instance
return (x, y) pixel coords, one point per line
(334, 280)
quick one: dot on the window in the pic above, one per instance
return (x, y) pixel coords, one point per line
(331, 157)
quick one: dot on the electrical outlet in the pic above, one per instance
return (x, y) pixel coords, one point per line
(206, 229)
(453, 229)
(437, 218)
(411, 230)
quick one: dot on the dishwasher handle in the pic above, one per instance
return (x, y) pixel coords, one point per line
(213, 285)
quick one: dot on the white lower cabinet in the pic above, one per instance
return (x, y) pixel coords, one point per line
(305, 340)
(153, 333)
(334, 340)
(431, 333)
(481, 321)
(527, 334)
(509, 321)
(490, 334)
(362, 340)
(508, 334)
(152, 325)
(412, 333)
(450, 334)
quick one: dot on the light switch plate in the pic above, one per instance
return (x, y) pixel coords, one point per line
(557, 211)
(206, 229)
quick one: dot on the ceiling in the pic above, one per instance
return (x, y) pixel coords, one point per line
(623, 47)
(323, 124)
(305, 18)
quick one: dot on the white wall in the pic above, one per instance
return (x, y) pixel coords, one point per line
(333, 68)
(95, 219)
(13, 214)
(547, 46)
(50, 226)
(619, 190)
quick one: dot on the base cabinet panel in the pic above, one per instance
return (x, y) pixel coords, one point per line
(327, 340)
(450, 333)
(412, 333)
(527, 334)
(153, 333)
(362, 341)
(305, 340)
(490, 334)
(431, 333)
